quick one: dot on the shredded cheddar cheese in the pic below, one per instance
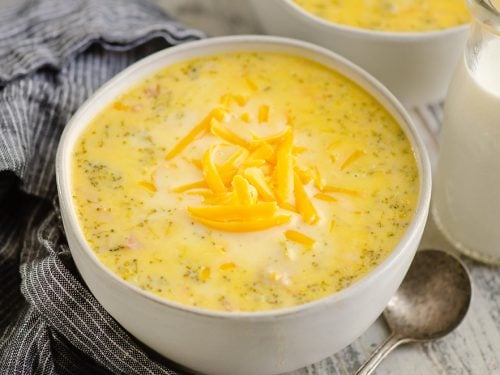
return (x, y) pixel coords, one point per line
(263, 113)
(217, 114)
(284, 169)
(256, 177)
(235, 212)
(279, 183)
(325, 197)
(211, 173)
(245, 117)
(119, 106)
(204, 274)
(227, 266)
(190, 186)
(279, 137)
(300, 238)
(247, 225)
(264, 151)
(221, 131)
(251, 84)
(341, 190)
(246, 193)
(304, 204)
(351, 159)
(148, 186)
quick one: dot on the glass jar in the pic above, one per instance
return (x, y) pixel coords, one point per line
(466, 200)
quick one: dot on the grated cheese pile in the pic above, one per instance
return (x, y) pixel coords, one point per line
(260, 185)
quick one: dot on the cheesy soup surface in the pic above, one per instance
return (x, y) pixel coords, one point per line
(391, 15)
(244, 182)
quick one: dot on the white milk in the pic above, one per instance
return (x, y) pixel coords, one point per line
(467, 189)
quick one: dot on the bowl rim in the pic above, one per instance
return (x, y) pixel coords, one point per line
(76, 124)
(402, 36)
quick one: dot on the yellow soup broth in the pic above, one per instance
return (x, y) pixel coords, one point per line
(244, 182)
(391, 15)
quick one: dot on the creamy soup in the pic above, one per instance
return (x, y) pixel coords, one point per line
(391, 15)
(244, 182)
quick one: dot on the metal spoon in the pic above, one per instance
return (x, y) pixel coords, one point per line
(430, 303)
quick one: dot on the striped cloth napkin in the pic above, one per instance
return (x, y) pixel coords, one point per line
(53, 55)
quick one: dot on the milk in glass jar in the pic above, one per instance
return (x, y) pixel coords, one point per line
(467, 190)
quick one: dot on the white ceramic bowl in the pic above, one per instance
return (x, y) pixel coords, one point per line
(257, 343)
(416, 66)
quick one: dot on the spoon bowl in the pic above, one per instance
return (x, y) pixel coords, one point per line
(433, 298)
(430, 303)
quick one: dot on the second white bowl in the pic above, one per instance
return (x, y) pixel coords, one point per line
(416, 67)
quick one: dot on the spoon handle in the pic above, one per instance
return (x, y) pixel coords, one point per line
(380, 353)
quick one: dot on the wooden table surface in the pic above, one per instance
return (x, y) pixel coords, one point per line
(473, 348)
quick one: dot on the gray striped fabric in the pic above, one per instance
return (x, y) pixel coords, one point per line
(53, 55)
